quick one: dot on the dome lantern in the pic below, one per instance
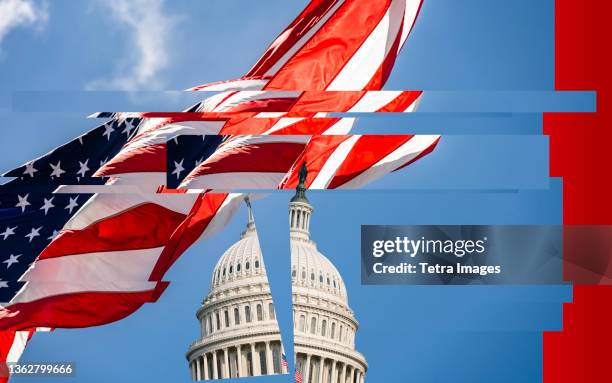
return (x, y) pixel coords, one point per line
(300, 208)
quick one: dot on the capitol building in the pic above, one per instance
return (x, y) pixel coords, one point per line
(239, 332)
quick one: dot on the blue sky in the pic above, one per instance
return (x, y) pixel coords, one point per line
(62, 59)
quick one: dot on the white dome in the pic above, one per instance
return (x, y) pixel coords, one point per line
(324, 324)
(241, 264)
(239, 331)
(311, 270)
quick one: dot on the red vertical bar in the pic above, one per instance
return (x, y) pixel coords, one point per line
(581, 153)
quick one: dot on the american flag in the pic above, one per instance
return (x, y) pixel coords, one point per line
(298, 376)
(114, 247)
(31, 215)
(284, 362)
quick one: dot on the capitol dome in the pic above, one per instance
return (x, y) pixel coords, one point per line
(239, 332)
(324, 324)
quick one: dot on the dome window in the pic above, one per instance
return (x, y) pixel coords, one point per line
(312, 276)
(333, 330)
(323, 327)
(247, 266)
(224, 271)
(238, 267)
(236, 316)
(334, 283)
(259, 313)
(320, 278)
(257, 263)
(247, 314)
(303, 274)
(328, 282)
(302, 327)
(231, 269)
(293, 273)
(313, 325)
(271, 312)
(226, 315)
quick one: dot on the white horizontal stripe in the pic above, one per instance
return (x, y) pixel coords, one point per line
(163, 133)
(359, 70)
(102, 206)
(235, 180)
(247, 96)
(372, 101)
(344, 126)
(405, 153)
(34, 291)
(283, 123)
(137, 182)
(238, 141)
(231, 85)
(241, 141)
(92, 189)
(332, 164)
(109, 266)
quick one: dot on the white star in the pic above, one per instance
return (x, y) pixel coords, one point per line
(55, 233)
(108, 129)
(129, 126)
(175, 139)
(3, 284)
(104, 161)
(23, 202)
(198, 162)
(47, 205)
(34, 233)
(57, 170)
(81, 140)
(178, 168)
(72, 204)
(29, 170)
(8, 232)
(83, 168)
(12, 259)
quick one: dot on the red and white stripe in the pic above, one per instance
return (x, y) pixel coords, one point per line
(112, 255)
(352, 161)
(111, 241)
(247, 162)
(322, 49)
(298, 376)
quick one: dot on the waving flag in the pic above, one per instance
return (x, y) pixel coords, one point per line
(114, 248)
(31, 215)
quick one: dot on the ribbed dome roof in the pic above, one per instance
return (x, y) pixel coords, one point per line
(241, 263)
(311, 270)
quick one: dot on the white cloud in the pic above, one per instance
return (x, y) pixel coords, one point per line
(149, 28)
(17, 13)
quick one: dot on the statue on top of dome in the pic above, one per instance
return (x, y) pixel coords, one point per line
(300, 190)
